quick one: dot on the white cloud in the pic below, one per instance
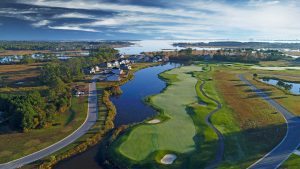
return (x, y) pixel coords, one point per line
(268, 19)
(73, 28)
(41, 23)
(92, 5)
(74, 15)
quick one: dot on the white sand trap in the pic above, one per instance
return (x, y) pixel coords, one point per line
(297, 152)
(168, 159)
(154, 121)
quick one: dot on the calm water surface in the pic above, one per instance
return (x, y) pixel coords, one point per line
(295, 86)
(158, 45)
(130, 109)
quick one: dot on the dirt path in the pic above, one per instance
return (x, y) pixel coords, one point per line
(220, 150)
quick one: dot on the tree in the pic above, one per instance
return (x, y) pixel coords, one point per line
(255, 75)
(27, 59)
(105, 53)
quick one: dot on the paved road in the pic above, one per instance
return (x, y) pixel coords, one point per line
(89, 122)
(220, 150)
(289, 143)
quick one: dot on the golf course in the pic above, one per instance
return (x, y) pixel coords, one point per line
(160, 136)
(180, 136)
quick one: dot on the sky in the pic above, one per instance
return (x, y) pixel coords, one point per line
(149, 19)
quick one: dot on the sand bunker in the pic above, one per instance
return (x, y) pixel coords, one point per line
(168, 159)
(154, 121)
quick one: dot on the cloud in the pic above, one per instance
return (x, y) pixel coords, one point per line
(41, 23)
(26, 15)
(74, 15)
(73, 28)
(266, 19)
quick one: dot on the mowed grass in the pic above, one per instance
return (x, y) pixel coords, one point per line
(175, 134)
(15, 145)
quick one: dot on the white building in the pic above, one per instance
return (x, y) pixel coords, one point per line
(97, 68)
(92, 71)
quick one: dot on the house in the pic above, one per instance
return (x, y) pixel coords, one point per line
(97, 68)
(117, 71)
(123, 61)
(6, 60)
(120, 56)
(108, 65)
(146, 59)
(125, 67)
(92, 70)
(115, 63)
(156, 59)
(79, 93)
(165, 59)
(89, 70)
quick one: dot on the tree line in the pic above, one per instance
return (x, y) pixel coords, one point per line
(38, 109)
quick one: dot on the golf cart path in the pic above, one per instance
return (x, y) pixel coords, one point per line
(220, 150)
(290, 142)
(92, 115)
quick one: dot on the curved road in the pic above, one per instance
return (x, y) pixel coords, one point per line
(90, 120)
(220, 150)
(289, 143)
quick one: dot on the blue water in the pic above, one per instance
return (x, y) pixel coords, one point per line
(157, 45)
(294, 90)
(130, 105)
(130, 109)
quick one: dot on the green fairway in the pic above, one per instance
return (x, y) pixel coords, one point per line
(175, 134)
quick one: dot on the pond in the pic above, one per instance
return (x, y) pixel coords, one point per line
(130, 109)
(292, 87)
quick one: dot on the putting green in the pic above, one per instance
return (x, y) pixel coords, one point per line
(176, 134)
